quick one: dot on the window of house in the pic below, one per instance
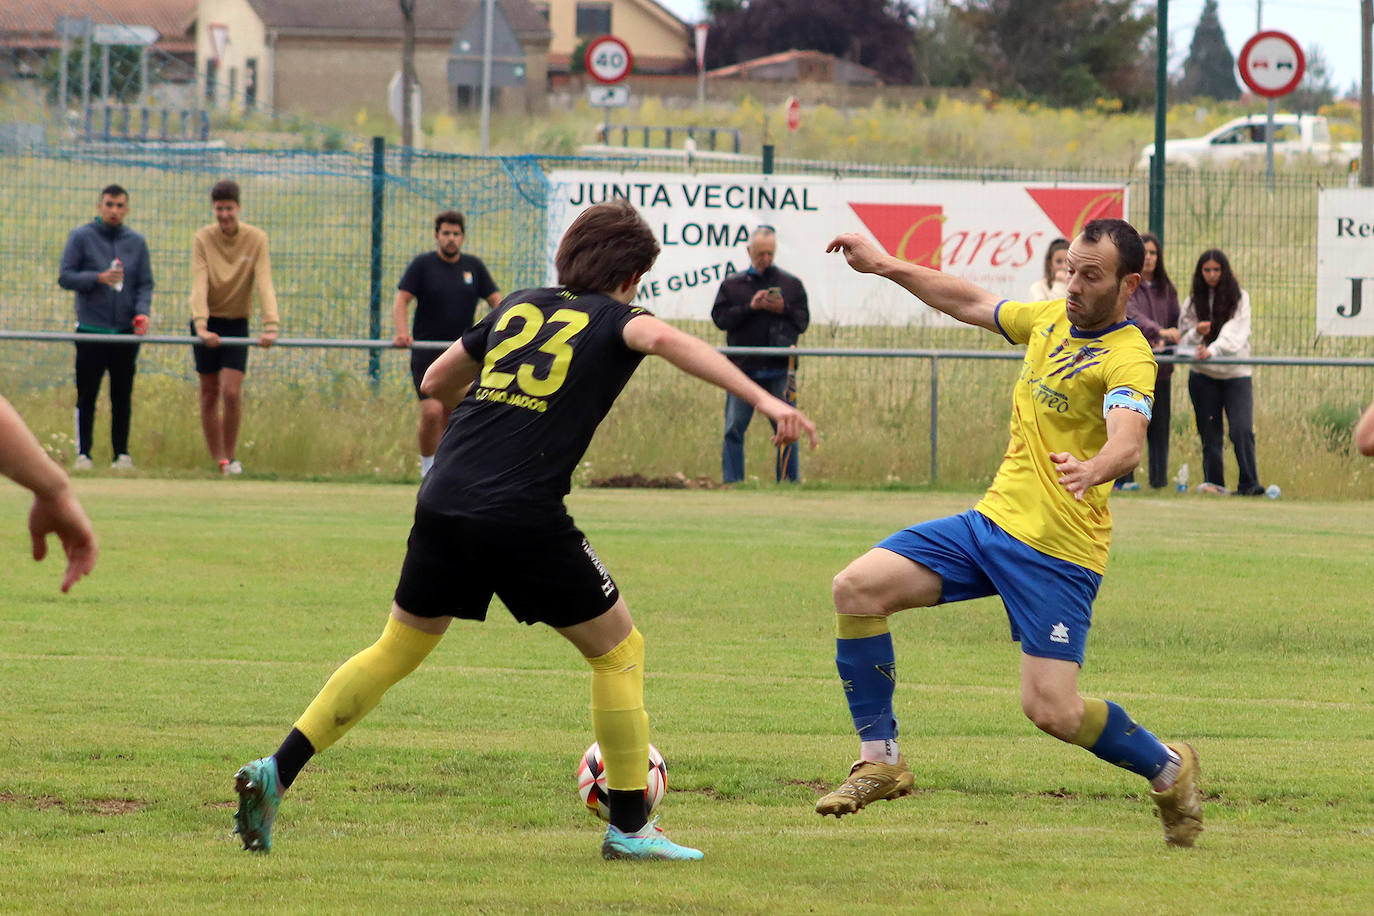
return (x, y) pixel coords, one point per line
(593, 19)
(211, 78)
(250, 83)
(543, 9)
(233, 84)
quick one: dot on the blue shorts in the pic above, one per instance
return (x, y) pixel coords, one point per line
(1049, 601)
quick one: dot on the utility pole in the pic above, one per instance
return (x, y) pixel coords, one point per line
(1367, 93)
(1161, 113)
(407, 74)
(488, 16)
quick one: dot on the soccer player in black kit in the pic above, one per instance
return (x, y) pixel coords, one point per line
(528, 386)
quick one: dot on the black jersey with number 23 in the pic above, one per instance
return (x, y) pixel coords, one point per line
(553, 363)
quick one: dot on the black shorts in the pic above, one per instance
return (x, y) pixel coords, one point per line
(420, 361)
(544, 574)
(209, 360)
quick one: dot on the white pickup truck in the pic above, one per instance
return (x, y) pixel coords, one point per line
(1296, 138)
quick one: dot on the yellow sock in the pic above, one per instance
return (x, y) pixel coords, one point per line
(851, 626)
(358, 685)
(618, 717)
(1094, 722)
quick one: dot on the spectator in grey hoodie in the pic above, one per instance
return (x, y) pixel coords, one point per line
(107, 265)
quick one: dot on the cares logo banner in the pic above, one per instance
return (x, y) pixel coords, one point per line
(1345, 263)
(993, 234)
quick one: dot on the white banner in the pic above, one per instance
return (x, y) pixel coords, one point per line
(1345, 263)
(993, 234)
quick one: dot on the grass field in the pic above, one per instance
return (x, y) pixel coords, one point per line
(218, 609)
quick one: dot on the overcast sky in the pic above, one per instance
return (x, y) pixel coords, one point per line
(1332, 25)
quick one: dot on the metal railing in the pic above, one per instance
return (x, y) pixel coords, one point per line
(649, 131)
(117, 122)
(933, 355)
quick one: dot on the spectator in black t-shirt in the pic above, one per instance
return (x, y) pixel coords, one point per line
(445, 284)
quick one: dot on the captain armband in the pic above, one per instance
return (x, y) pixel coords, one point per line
(1130, 399)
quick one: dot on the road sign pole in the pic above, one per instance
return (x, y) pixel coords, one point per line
(1269, 143)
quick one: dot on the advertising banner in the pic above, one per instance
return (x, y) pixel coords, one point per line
(993, 234)
(1345, 262)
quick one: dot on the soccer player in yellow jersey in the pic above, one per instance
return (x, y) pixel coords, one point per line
(1038, 537)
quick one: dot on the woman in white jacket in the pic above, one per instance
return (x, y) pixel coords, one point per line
(1216, 320)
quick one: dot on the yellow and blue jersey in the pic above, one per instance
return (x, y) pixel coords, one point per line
(1068, 381)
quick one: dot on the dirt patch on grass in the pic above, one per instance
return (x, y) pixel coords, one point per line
(104, 806)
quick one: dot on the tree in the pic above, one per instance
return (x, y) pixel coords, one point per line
(1316, 88)
(945, 48)
(1210, 68)
(1067, 52)
(874, 33)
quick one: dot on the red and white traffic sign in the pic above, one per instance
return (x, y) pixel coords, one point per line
(608, 59)
(1272, 63)
(793, 114)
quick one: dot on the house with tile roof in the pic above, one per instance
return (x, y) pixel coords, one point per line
(660, 42)
(331, 57)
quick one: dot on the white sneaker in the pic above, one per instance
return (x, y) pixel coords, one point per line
(84, 463)
(122, 463)
(233, 467)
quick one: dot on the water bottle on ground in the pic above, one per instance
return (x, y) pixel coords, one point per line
(1183, 479)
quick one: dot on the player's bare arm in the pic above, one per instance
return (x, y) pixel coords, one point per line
(1125, 436)
(1364, 432)
(494, 300)
(943, 292)
(694, 356)
(55, 508)
(399, 312)
(450, 375)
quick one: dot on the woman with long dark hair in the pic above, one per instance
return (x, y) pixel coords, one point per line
(1216, 320)
(1055, 283)
(1154, 308)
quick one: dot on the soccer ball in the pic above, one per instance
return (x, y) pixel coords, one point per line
(591, 782)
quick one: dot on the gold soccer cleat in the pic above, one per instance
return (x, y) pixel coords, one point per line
(868, 781)
(1180, 805)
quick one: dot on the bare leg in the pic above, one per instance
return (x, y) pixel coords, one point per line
(433, 419)
(231, 393)
(1049, 695)
(210, 416)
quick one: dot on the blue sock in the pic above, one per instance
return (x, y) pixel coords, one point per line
(868, 671)
(1125, 744)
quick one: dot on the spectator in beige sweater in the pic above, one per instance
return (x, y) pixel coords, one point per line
(229, 262)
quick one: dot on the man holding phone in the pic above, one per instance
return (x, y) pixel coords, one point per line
(764, 306)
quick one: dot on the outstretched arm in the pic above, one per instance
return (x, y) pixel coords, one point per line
(1125, 435)
(55, 508)
(647, 334)
(1364, 432)
(943, 292)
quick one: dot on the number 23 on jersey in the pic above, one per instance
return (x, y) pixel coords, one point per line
(568, 321)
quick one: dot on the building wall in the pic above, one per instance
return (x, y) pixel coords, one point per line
(329, 77)
(247, 40)
(649, 31)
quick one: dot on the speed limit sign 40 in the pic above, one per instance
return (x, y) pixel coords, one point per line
(608, 59)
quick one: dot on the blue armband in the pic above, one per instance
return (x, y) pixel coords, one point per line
(1130, 399)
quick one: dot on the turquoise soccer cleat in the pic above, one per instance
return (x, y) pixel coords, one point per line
(259, 796)
(649, 842)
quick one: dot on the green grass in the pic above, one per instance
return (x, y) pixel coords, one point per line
(218, 609)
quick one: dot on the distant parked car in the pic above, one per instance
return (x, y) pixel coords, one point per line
(1240, 141)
